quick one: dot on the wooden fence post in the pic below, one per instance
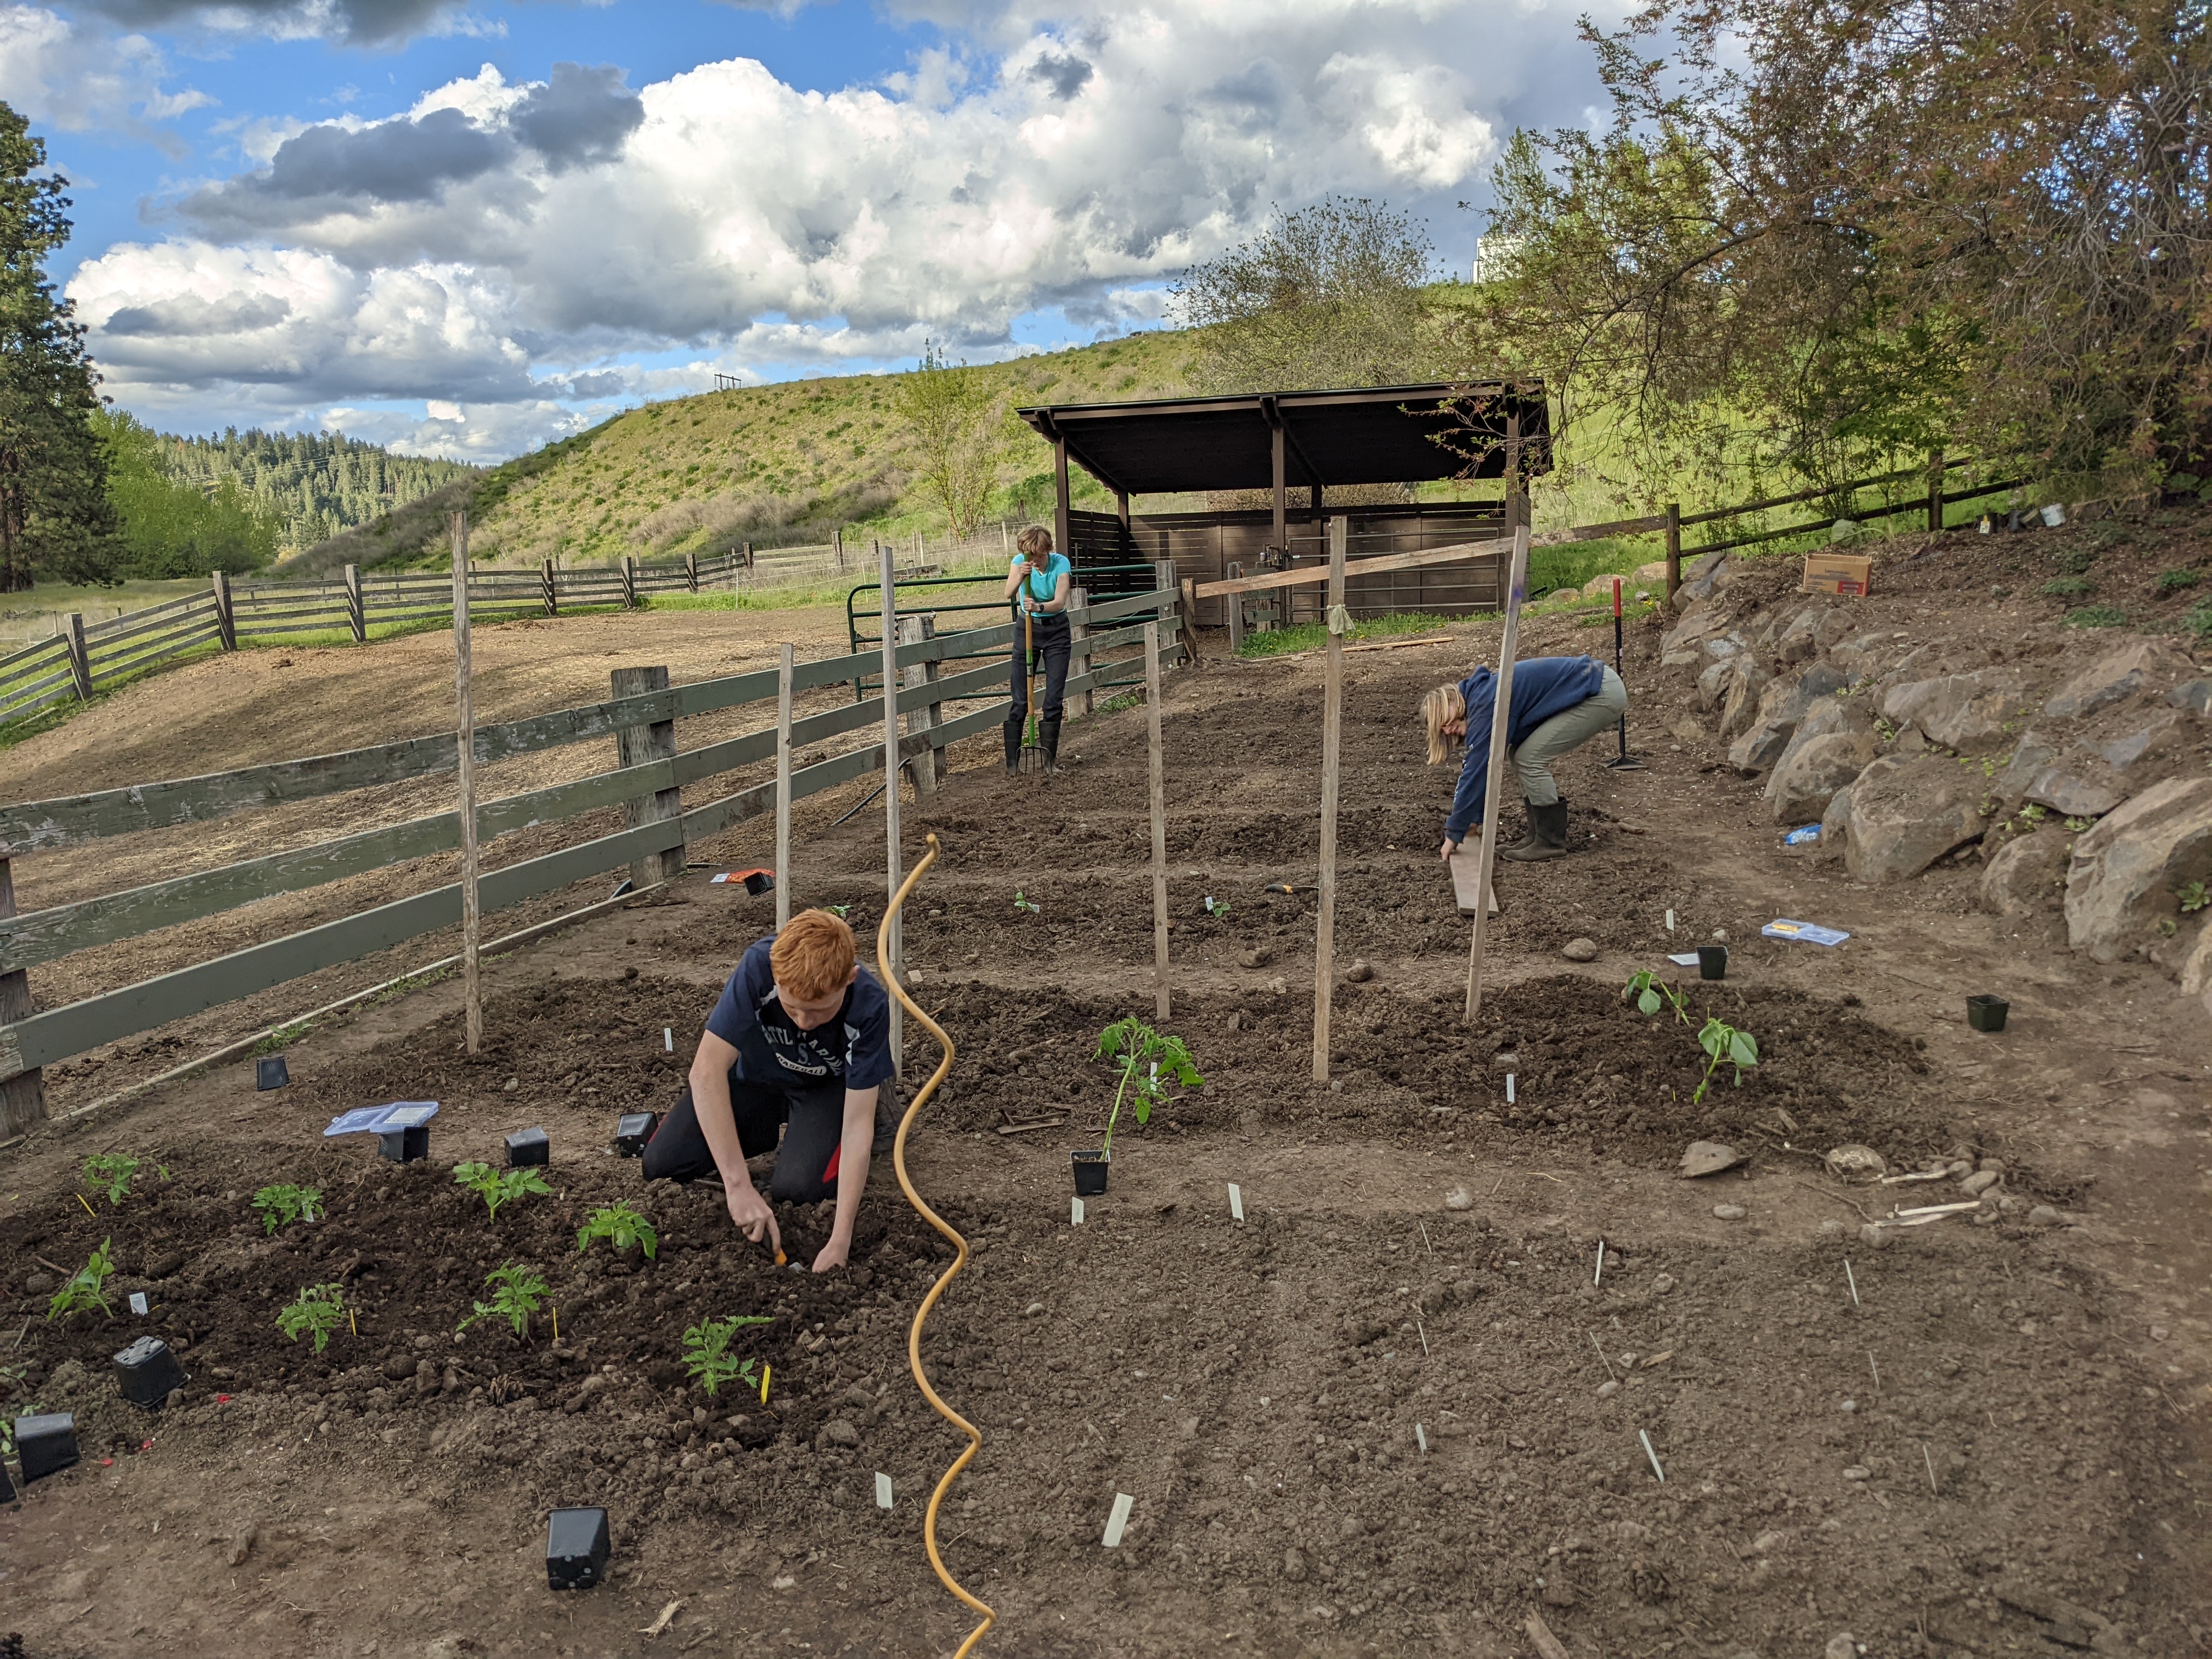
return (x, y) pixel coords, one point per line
(465, 754)
(783, 675)
(641, 745)
(226, 616)
(895, 953)
(921, 714)
(1164, 580)
(1332, 743)
(691, 572)
(836, 546)
(1935, 491)
(357, 610)
(548, 589)
(1235, 571)
(1079, 601)
(1500, 724)
(22, 1096)
(630, 582)
(80, 658)
(1673, 550)
(1159, 804)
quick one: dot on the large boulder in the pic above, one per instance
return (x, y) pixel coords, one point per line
(1809, 773)
(2028, 876)
(1965, 712)
(2068, 779)
(2131, 740)
(2195, 695)
(1836, 822)
(1812, 631)
(1781, 707)
(1702, 578)
(1840, 712)
(1908, 812)
(2139, 666)
(1702, 636)
(1747, 684)
(1713, 685)
(2126, 870)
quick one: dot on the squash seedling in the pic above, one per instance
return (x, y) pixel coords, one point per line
(84, 1289)
(707, 1356)
(516, 1295)
(622, 1227)
(1150, 1062)
(1723, 1043)
(1652, 993)
(498, 1187)
(1028, 905)
(111, 1174)
(284, 1204)
(314, 1312)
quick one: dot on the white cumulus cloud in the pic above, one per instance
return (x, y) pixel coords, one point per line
(59, 75)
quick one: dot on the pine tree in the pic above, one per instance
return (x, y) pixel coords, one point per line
(55, 519)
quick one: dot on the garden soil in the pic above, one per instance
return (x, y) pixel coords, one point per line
(1428, 1386)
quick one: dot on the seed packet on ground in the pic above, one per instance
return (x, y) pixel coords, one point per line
(1809, 932)
(381, 1120)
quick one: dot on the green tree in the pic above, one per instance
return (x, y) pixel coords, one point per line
(949, 409)
(171, 527)
(55, 520)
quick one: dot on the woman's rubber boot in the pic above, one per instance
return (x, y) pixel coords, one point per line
(1013, 748)
(1529, 839)
(1050, 731)
(1549, 825)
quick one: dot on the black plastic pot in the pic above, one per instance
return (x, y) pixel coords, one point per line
(1091, 1171)
(45, 1444)
(576, 1548)
(758, 881)
(633, 1130)
(1712, 962)
(270, 1071)
(528, 1149)
(146, 1372)
(1986, 1013)
(405, 1145)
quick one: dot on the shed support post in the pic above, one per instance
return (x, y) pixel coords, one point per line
(22, 1096)
(641, 746)
(1078, 630)
(1164, 580)
(1063, 521)
(922, 711)
(1235, 602)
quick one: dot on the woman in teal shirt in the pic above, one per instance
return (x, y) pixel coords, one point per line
(1038, 583)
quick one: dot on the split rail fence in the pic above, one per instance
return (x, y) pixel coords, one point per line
(658, 822)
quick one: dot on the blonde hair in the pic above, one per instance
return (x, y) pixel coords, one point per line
(1034, 541)
(1444, 703)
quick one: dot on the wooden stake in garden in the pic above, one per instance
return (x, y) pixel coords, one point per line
(894, 952)
(783, 674)
(1516, 588)
(1159, 822)
(1331, 742)
(471, 922)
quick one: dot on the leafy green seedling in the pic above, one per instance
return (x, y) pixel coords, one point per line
(2074, 826)
(707, 1356)
(1030, 905)
(498, 1187)
(284, 1204)
(622, 1227)
(84, 1289)
(516, 1295)
(2032, 813)
(1723, 1043)
(1218, 908)
(2192, 896)
(837, 910)
(1150, 1062)
(2172, 582)
(314, 1312)
(1652, 993)
(111, 1174)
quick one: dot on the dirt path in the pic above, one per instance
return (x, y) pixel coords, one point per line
(1982, 1438)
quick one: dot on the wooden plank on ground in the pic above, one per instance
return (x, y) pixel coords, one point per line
(1466, 882)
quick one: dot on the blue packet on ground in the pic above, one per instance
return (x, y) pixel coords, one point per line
(383, 1120)
(1809, 932)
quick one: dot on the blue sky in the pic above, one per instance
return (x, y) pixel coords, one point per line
(465, 228)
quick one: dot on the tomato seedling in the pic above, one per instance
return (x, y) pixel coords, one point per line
(517, 1294)
(314, 1312)
(622, 1227)
(498, 1187)
(1723, 1043)
(707, 1355)
(1150, 1062)
(84, 1289)
(284, 1204)
(111, 1174)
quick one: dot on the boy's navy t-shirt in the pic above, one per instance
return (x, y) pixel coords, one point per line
(854, 1047)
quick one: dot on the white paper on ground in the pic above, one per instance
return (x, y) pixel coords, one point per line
(1118, 1520)
(138, 1302)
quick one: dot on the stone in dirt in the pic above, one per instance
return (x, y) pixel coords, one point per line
(1782, 706)
(2126, 869)
(1728, 1211)
(2195, 695)
(839, 1432)
(1713, 684)
(1853, 1161)
(1580, 950)
(1841, 1645)
(1459, 1198)
(2043, 1216)
(1360, 972)
(1978, 1182)
(1747, 684)
(1965, 712)
(2027, 875)
(2140, 665)
(1705, 1157)
(1707, 575)
(1809, 773)
(1905, 813)
(2071, 781)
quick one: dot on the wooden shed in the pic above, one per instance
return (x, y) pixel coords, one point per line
(1297, 445)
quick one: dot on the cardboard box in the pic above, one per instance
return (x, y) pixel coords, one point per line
(1837, 573)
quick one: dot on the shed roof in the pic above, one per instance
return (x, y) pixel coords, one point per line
(1380, 435)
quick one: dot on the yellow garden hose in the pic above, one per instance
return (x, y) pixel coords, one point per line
(959, 1261)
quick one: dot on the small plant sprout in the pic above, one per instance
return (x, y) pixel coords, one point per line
(837, 910)
(516, 1295)
(1723, 1043)
(707, 1356)
(284, 1204)
(1218, 908)
(2032, 813)
(2192, 896)
(498, 1187)
(2074, 826)
(314, 1312)
(111, 1174)
(84, 1289)
(1150, 1062)
(622, 1227)
(1028, 905)
(1652, 993)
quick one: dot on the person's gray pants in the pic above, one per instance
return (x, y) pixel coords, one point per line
(1577, 726)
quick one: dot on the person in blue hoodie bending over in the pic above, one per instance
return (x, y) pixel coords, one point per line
(1559, 703)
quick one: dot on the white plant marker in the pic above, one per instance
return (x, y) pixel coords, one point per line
(1421, 1438)
(1670, 921)
(1644, 1436)
(1851, 1280)
(883, 1490)
(1423, 1226)
(667, 1040)
(1118, 1521)
(138, 1302)
(1508, 1088)
(1876, 1368)
(1075, 1213)
(1598, 1278)
(1236, 1201)
(1421, 1330)
(1930, 1462)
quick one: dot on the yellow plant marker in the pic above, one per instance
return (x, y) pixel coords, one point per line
(88, 1210)
(351, 1323)
(556, 1324)
(765, 1370)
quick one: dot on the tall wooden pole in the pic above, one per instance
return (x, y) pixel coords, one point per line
(895, 953)
(22, 1096)
(1160, 997)
(1332, 741)
(464, 691)
(783, 674)
(1516, 587)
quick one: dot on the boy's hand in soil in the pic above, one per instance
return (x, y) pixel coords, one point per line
(751, 1214)
(833, 1254)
